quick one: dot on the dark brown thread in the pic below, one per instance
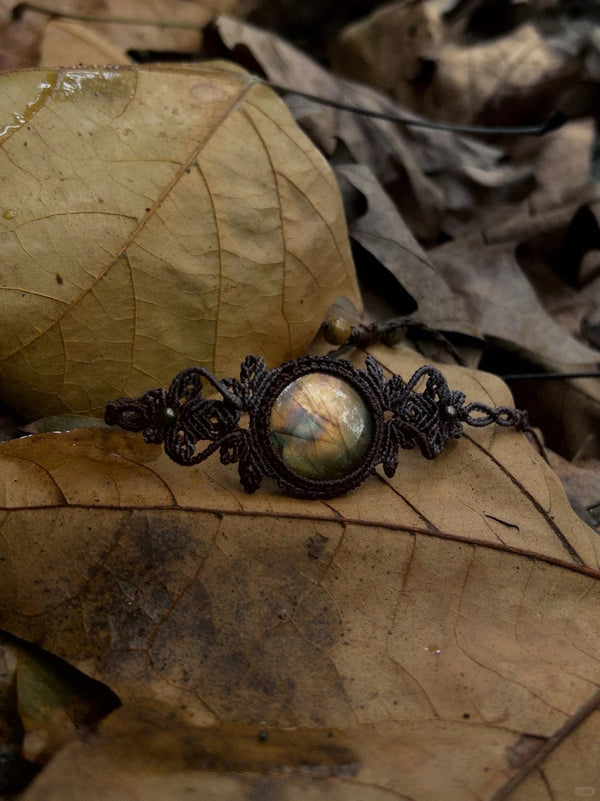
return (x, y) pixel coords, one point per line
(338, 331)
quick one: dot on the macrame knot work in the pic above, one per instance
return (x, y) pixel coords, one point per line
(316, 425)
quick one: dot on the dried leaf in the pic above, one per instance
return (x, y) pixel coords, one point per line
(384, 234)
(121, 36)
(153, 219)
(561, 163)
(152, 758)
(533, 307)
(19, 39)
(16, 772)
(569, 769)
(590, 326)
(581, 479)
(510, 79)
(568, 410)
(450, 612)
(66, 42)
(62, 422)
(392, 49)
(503, 303)
(44, 703)
(426, 173)
(310, 26)
(157, 37)
(54, 701)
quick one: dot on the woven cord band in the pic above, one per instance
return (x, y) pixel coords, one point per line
(396, 415)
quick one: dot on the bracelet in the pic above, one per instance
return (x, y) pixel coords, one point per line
(317, 425)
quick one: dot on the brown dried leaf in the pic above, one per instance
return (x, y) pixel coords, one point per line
(450, 612)
(44, 703)
(537, 305)
(66, 42)
(561, 162)
(147, 37)
(19, 39)
(55, 703)
(581, 480)
(568, 410)
(512, 79)
(152, 759)
(569, 770)
(152, 219)
(383, 233)
(503, 303)
(392, 48)
(119, 36)
(426, 173)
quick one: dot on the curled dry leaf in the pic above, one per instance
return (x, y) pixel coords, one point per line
(19, 39)
(568, 410)
(44, 703)
(426, 173)
(450, 612)
(503, 303)
(54, 701)
(581, 480)
(556, 266)
(116, 35)
(67, 42)
(511, 79)
(561, 162)
(383, 233)
(532, 307)
(153, 219)
(394, 48)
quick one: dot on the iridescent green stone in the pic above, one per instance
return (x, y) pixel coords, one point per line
(321, 427)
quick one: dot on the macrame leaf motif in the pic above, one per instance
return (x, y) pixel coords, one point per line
(401, 415)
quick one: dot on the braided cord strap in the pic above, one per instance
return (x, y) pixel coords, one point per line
(391, 414)
(501, 415)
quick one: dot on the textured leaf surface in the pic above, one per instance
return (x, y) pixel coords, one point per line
(571, 770)
(45, 32)
(504, 304)
(500, 80)
(383, 233)
(436, 628)
(67, 42)
(152, 219)
(428, 174)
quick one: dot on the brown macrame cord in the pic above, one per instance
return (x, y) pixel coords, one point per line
(181, 417)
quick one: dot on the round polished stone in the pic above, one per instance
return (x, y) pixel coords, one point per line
(337, 331)
(321, 427)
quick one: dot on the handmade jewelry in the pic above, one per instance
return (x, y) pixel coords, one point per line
(317, 425)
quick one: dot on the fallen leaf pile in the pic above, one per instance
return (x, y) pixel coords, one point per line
(163, 635)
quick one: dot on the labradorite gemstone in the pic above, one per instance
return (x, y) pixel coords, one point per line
(320, 427)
